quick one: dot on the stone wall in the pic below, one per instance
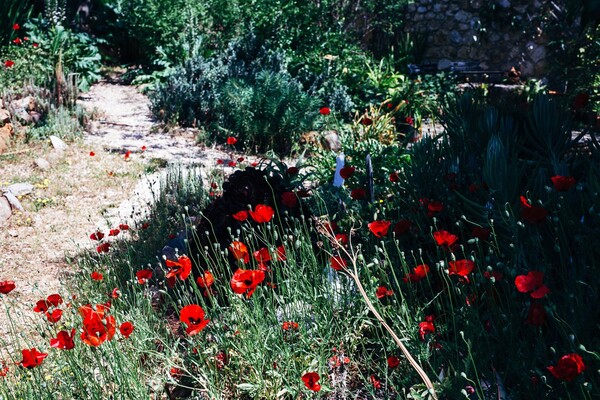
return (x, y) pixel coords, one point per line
(493, 34)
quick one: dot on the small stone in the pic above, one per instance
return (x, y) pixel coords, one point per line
(422, 10)
(461, 16)
(20, 189)
(35, 116)
(24, 117)
(41, 163)
(437, 7)
(5, 210)
(456, 37)
(12, 233)
(4, 116)
(14, 202)
(57, 143)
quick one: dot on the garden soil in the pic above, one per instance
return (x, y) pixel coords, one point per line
(93, 184)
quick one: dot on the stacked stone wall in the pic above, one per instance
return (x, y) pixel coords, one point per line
(494, 34)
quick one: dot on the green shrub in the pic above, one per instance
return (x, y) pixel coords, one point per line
(245, 91)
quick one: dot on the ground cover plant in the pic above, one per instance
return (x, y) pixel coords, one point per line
(452, 264)
(477, 261)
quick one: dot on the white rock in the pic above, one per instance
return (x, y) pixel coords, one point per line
(57, 143)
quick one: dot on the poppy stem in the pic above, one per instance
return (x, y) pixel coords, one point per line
(354, 275)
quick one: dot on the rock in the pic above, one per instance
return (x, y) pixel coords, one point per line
(24, 117)
(35, 116)
(5, 210)
(461, 16)
(422, 10)
(13, 233)
(456, 37)
(57, 143)
(26, 104)
(4, 115)
(20, 189)
(41, 164)
(6, 132)
(14, 202)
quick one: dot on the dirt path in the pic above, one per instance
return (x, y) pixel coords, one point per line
(80, 193)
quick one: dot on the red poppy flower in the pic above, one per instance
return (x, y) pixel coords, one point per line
(358, 194)
(240, 251)
(379, 228)
(281, 253)
(144, 148)
(103, 248)
(231, 164)
(347, 172)
(481, 233)
(366, 121)
(292, 171)
(325, 111)
(426, 327)
(289, 199)
(461, 268)
(375, 382)
(563, 183)
(35, 45)
(126, 329)
(402, 227)
(536, 315)
(181, 268)
(532, 214)
(6, 287)
(409, 120)
(97, 326)
(63, 340)
(145, 225)
(262, 255)
(419, 273)
(92, 154)
(193, 317)
(3, 369)
(97, 236)
(16, 27)
(341, 238)
(127, 154)
(55, 299)
(532, 282)
(394, 177)
(444, 238)
(17, 41)
(114, 232)
(434, 207)
(262, 213)
(568, 367)
(219, 161)
(9, 63)
(337, 263)
(143, 276)
(54, 316)
(231, 140)
(240, 215)
(41, 306)
(115, 293)
(97, 276)
(290, 325)
(246, 281)
(123, 227)
(32, 358)
(393, 361)
(382, 292)
(310, 380)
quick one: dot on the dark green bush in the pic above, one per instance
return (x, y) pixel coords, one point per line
(246, 91)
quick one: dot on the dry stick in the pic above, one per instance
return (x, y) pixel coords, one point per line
(409, 357)
(403, 348)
